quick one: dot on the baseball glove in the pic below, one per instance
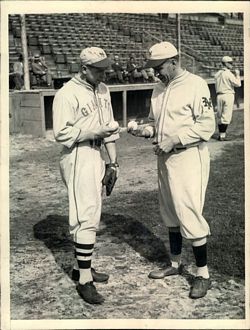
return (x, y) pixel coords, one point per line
(110, 177)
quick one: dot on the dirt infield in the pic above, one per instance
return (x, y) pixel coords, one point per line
(130, 243)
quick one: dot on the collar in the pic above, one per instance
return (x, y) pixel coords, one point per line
(78, 80)
(177, 78)
(180, 76)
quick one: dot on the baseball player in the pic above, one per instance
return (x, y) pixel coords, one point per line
(82, 117)
(225, 81)
(182, 121)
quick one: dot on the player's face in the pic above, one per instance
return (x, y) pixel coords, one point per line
(94, 75)
(165, 71)
(229, 65)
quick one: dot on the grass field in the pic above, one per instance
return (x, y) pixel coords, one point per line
(131, 241)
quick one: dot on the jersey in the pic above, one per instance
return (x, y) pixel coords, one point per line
(225, 81)
(183, 108)
(77, 106)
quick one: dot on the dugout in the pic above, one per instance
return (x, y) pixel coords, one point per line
(30, 111)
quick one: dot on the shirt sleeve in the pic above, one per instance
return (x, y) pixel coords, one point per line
(151, 115)
(235, 81)
(115, 136)
(204, 118)
(63, 121)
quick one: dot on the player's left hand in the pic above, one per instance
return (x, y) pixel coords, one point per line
(166, 145)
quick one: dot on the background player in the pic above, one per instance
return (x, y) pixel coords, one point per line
(81, 113)
(184, 120)
(225, 81)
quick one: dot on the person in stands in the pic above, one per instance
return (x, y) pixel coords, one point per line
(41, 71)
(16, 74)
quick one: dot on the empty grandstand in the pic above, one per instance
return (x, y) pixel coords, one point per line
(60, 38)
(202, 39)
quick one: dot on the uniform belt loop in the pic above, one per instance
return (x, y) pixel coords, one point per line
(96, 143)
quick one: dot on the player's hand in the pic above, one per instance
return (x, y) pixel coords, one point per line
(140, 130)
(166, 145)
(237, 72)
(107, 129)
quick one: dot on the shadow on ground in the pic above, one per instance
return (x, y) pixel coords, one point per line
(136, 235)
(53, 231)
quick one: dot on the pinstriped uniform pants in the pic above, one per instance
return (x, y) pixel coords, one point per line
(82, 170)
(182, 181)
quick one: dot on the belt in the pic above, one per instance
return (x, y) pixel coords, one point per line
(179, 149)
(96, 143)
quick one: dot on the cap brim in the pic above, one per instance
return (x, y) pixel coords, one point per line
(154, 63)
(103, 64)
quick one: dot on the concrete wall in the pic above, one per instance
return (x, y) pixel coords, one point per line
(26, 113)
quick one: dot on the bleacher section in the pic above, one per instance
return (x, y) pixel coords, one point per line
(60, 38)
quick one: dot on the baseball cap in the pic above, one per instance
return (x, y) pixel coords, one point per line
(227, 59)
(95, 57)
(159, 52)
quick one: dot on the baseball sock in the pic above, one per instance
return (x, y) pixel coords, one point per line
(200, 254)
(76, 263)
(222, 130)
(84, 256)
(175, 240)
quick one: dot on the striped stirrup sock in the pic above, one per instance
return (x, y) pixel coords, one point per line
(83, 253)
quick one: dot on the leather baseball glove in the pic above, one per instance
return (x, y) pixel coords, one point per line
(110, 177)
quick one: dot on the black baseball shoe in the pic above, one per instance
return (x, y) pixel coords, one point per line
(97, 277)
(199, 287)
(169, 271)
(89, 293)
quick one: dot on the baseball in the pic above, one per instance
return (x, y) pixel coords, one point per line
(113, 125)
(132, 125)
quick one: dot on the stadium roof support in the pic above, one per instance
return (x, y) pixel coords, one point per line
(178, 34)
(25, 53)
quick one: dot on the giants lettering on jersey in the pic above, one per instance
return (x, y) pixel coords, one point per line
(92, 106)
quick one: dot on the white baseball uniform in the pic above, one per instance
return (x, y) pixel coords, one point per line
(77, 106)
(183, 108)
(225, 81)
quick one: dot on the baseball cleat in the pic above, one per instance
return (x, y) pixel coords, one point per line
(199, 287)
(169, 271)
(97, 277)
(89, 293)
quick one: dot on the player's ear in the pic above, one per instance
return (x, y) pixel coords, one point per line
(83, 68)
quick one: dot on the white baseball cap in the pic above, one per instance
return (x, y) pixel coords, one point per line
(227, 59)
(159, 52)
(95, 57)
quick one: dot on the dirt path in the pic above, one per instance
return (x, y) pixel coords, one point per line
(127, 248)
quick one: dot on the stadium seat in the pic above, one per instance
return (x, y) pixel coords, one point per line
(60, 58)
(64, 35)
(73, 67)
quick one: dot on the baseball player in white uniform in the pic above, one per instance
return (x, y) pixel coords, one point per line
(182, 121)
(225, 82)
(82, 117)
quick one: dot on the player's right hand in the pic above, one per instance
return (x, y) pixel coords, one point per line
(237, 72)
